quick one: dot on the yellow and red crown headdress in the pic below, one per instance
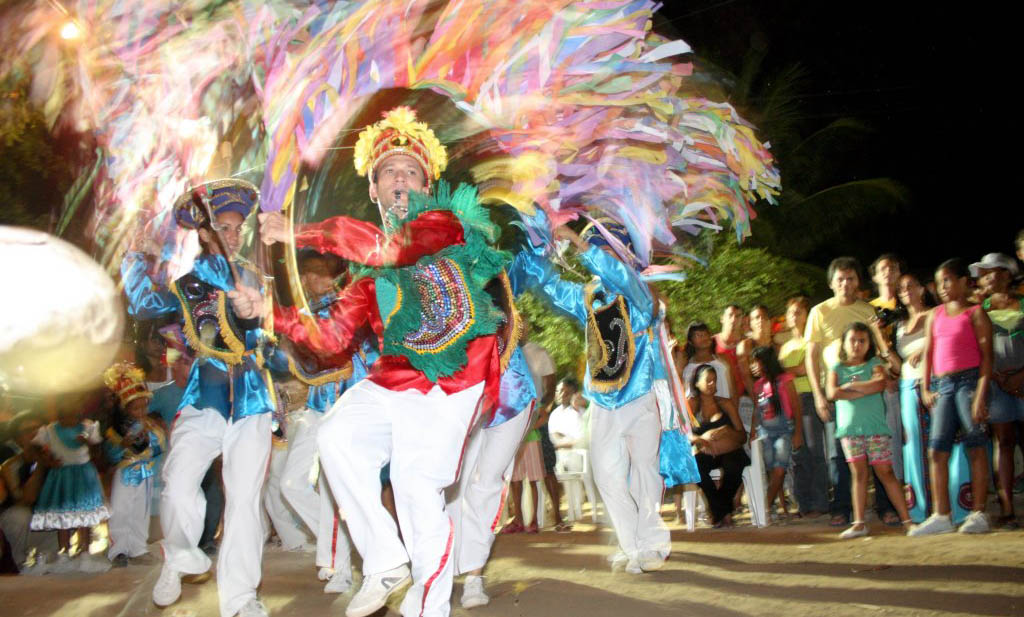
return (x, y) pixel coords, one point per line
(400, 133)
(127, 381)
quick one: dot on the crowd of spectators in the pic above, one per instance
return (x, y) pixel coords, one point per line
(838, 393)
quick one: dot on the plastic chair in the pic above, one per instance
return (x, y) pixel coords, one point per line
(571, 470)
(753, 483)
(690, 505)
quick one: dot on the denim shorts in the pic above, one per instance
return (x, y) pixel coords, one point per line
(952, 411)
(1003, 407)
(777, 438)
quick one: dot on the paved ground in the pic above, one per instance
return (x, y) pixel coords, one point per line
(792, 569)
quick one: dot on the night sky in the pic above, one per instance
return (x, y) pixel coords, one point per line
(934, 84)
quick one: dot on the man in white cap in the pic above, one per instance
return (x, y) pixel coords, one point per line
(995, 273)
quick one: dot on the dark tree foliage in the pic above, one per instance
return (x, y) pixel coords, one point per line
(33, 175)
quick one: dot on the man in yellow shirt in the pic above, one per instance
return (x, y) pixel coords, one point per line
(825, 325)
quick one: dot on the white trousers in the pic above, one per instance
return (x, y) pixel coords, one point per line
(199, 435)
(290, 529)
(315, 508)
(423, 435)
(624, 455)
(129, 517)
(476, 501)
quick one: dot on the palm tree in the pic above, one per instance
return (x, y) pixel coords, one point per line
(829, 188)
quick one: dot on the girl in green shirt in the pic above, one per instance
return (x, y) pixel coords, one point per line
(856, 384)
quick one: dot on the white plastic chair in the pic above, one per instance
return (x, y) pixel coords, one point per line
(753, 483)
(571, 467)
(541, 498)
(690, 506)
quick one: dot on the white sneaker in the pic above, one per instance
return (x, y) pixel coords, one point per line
(168, 587)
(324, 574)
(633, 566)
(340, 581)
(618, 561)
(473, 593)
(976, 522)
(650, 561)
(375, 591)
(934, 524)
(305, 547)
(91, 564)
(253, 608)
(857, 530)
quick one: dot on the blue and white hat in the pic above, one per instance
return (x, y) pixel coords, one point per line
(614, 235)
(225, 195)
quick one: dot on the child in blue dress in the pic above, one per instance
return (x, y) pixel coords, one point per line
(71, 499)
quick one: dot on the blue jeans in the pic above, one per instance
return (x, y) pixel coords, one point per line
(1003, 407)
(777, 436)
(952, 411)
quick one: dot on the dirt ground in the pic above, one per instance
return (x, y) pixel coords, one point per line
(796, 568)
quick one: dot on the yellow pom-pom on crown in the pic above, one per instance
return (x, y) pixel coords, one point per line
(400, 133)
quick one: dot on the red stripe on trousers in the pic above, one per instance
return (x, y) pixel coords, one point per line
(501, 507)
(334, 539)
(440, 567)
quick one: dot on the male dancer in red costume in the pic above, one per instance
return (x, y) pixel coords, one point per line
(424, 298)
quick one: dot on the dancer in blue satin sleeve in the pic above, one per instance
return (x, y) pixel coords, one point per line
(306, 493)
(227, 405)
(476, 501)
(617, 310)
(677, 464)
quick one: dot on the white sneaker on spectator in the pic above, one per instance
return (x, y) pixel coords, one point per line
(325, 574)
(253, 608)
(856, 530)
(976, 522)
(473, 593)
(92, 564)
(340, 582)
(650, 561)
(168, 587)
(376, 588)
(934, 524)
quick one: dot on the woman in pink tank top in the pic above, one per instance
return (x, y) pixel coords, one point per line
(954, 344)
(958, 366)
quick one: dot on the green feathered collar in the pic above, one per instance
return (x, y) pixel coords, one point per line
(431, 310)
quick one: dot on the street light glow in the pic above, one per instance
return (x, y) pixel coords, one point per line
(70, 31)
